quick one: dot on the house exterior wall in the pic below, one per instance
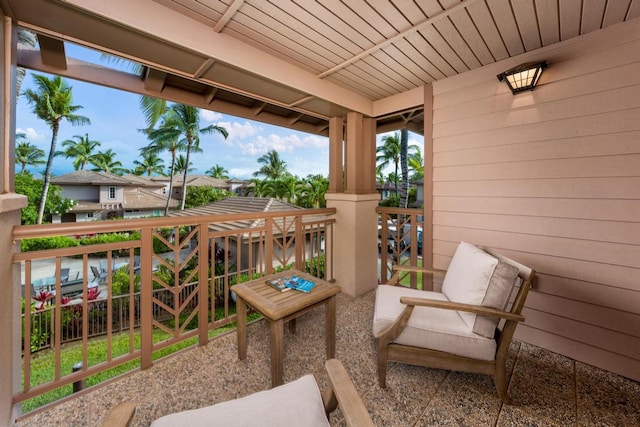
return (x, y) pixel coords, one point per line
(104, 194)
(552, 179)
(142, 213)
(89, 193)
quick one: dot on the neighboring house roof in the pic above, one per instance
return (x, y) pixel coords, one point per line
(192, 180)
(84, 177)
(386, 186)
(140, 198)
(201, 181)
(238, 205)
(147, 181)
(134, 198)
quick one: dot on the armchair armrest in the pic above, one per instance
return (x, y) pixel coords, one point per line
(399, 269)
(449, 305)
(343, 392)
(119, 415)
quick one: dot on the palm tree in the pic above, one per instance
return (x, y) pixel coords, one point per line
(272, 165)
(151, 164)
(27, 154)
(404, 188)
(161, 140)
(52, 102)
(218, 171)
(28, 38)
(312, 191)
(416, 164)
(105, 161)
(181, 165)
(288, 187)
(153, 110)
(184, 121)
(380, 179)
(259, 188)
(390, 153)
(81, 150)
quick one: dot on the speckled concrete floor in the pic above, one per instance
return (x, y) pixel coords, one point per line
(548, 389)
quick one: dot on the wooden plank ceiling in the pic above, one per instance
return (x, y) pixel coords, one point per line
(372, 50)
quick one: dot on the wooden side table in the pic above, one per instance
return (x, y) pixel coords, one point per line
(281, 307)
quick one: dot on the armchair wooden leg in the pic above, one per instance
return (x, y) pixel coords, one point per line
(382, 366)
(500, 379)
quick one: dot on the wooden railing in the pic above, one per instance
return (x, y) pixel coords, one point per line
(400, 236)
(180, 290)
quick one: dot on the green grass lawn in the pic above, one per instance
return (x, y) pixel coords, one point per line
(43, 362)
(406, 280)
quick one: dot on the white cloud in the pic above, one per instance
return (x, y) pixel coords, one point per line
(210, 116)
(32, 134)
(242, 173)
(239, 130)
(282, 144)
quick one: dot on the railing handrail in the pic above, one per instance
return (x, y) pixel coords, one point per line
(390, 210)
(94, 227)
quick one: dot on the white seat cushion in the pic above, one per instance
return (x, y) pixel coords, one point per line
(428, 327)
(296, 403)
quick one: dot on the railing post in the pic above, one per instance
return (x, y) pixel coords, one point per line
(300, 243)
(204, 282)
(146, 298)
(268, 256)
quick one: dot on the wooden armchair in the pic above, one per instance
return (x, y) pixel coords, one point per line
(467, 327)
(299, 402)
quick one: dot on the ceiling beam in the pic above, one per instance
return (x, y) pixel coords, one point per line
(154, 80)
(90, 73)
(228, 14)
(180, 30)
(52, 52)
(401, 35)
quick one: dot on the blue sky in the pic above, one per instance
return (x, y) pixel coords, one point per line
(116, 117)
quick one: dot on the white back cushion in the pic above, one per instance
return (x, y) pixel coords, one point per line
(296, 403)
(468, 277)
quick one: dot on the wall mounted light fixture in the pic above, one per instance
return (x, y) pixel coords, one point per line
(523, 77)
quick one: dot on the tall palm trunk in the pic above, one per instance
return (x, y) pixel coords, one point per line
(404, 147)
(184, 176)
(173, 167)
(47, 171)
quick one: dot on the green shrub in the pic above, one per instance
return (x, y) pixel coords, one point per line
(120, 281)
(315, 266)
(43, 243)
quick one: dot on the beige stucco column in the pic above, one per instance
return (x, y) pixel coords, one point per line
(355, 200)
(10, 205)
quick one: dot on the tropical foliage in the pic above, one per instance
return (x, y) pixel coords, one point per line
(32, 188)
(200, 196)
(81, 150)
(181, 123)
(27, 154)
(395, 151)
(52, 102)
(105, 161)
(150, 164)
(272, 166)
(218, 171)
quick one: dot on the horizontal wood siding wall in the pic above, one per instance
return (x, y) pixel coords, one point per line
(552, 179)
